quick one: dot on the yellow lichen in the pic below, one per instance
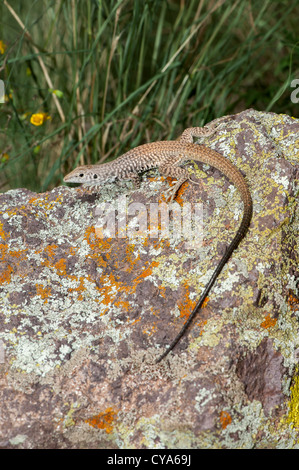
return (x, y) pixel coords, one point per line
(293, 416)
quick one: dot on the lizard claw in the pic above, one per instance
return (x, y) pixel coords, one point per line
(173, 189)
(192, 181)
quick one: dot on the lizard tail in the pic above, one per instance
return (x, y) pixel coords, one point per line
(233, 245)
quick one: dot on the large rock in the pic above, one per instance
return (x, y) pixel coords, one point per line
(84, 314)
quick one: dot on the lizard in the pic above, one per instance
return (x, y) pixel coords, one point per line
(168, 156)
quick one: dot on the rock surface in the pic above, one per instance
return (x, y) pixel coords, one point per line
(84, 313)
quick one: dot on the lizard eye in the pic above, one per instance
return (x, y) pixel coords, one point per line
(95, 176)
(81, 175)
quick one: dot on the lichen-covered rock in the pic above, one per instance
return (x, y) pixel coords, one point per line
(85, 311)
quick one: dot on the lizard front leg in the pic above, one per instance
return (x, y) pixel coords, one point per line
(135, 178)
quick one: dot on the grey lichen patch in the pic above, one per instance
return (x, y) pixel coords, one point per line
(18, 439)
(168, 269)
(246, 426)
(69, 419)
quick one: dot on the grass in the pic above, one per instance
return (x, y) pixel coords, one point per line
(103, 76)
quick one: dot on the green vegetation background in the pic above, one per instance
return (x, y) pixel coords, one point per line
(102, 76)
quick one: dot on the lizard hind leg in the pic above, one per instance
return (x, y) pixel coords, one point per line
(177, 184)
(180, 174)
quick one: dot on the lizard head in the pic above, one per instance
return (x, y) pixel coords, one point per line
(88, 175)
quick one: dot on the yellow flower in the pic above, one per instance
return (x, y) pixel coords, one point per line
(2, 47)
(39, 119)
(4, 157)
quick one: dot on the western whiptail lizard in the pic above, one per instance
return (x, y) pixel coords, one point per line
(167, 156)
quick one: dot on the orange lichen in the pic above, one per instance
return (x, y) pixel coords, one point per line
(103, 420)
(32, 200)
(5, 253)
(268, 322)
(186, 305)
(89, 233)
(49, 250)
(205, 302)
(161, 243)
(150, 330)
(180, 192)
(10, 259)
(123, 304)
(99, 246)
(225, 419)
(147, 271)
(3, 235)
(131, 259)
(5, 276)
(43, 291)
(293, 301)
(162, 290)
(61, 267)
(96, 242)
(109, 289)
(134, 321)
